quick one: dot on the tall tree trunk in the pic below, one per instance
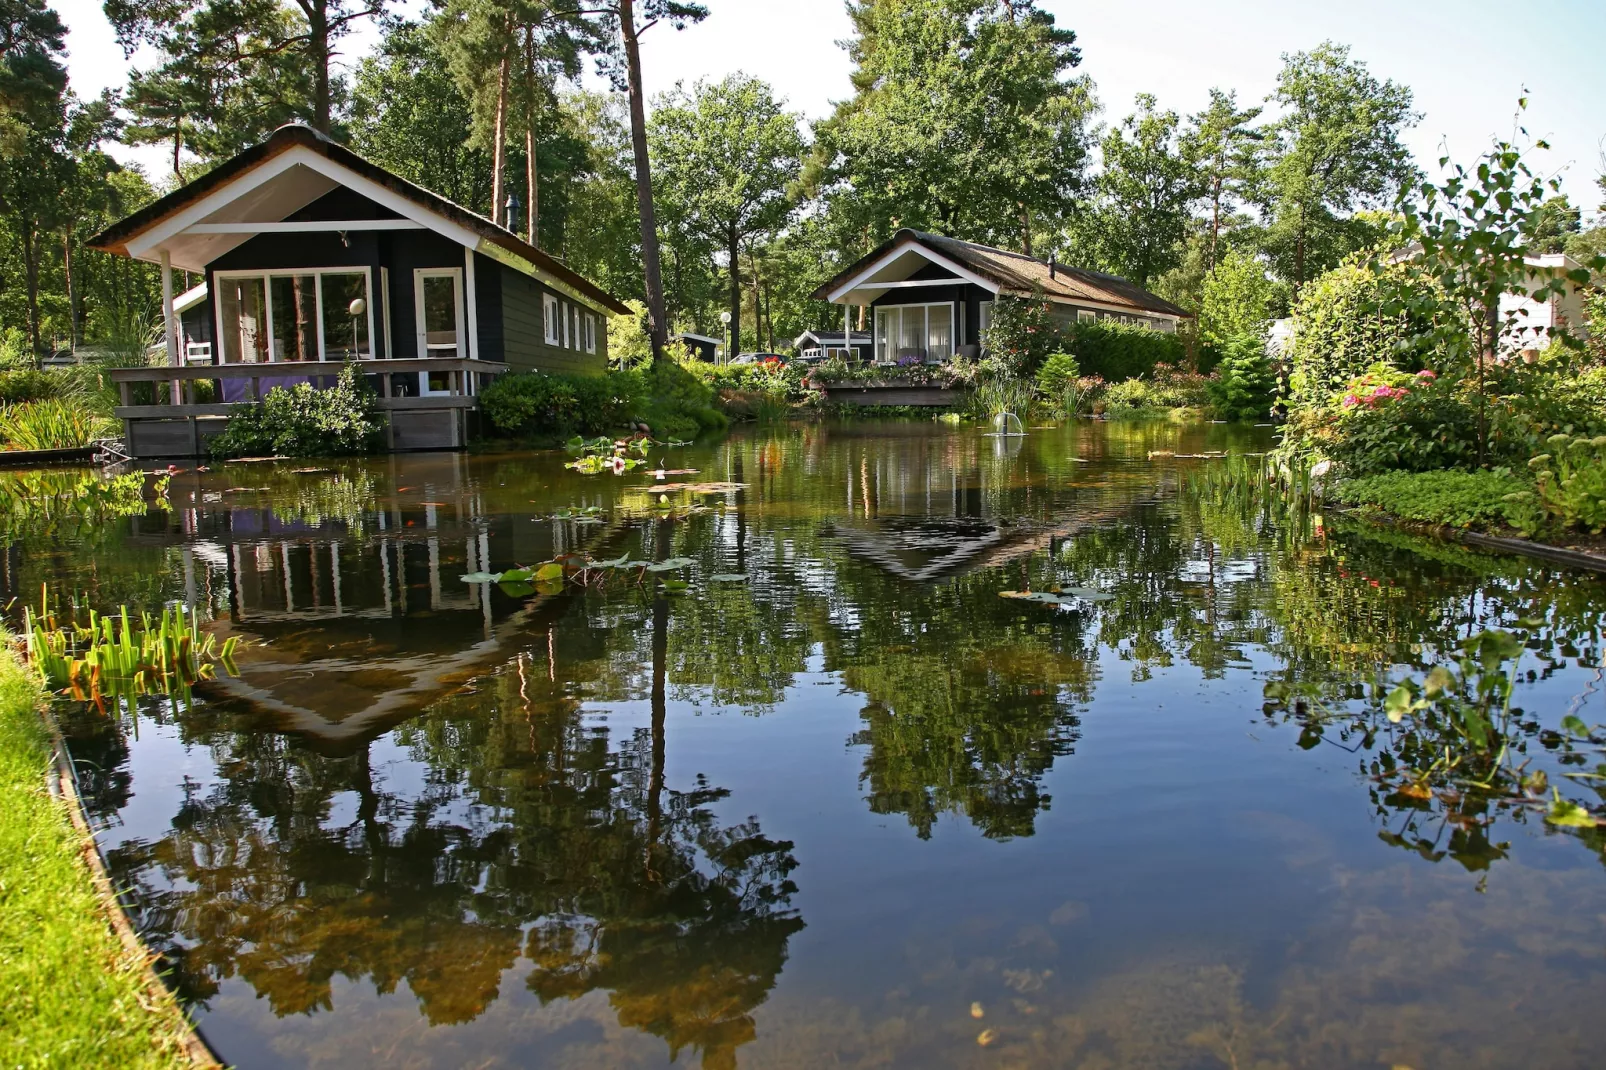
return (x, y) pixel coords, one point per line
(1025, 229)
(736, 292)
(1215, 221)
(72, 294)
(499, 149)
(532, 181)
(659, 703)
(653, 283)
(178, 144)
(30, 270)
(317, 13)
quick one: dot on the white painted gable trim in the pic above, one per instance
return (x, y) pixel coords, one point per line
(145, 246)
(910, 245)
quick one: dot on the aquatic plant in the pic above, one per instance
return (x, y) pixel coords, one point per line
(607, 454)
(52, 424)
(98, 656)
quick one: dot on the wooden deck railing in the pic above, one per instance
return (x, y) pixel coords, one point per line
(457, 369)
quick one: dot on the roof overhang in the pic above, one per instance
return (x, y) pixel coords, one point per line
(254, 193)
(890, 269)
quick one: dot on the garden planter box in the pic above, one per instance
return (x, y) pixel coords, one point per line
(894, 392)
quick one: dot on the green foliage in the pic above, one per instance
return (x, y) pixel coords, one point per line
(94, 657)
(1571, 481)
(531, 404)
(1235, 300)
(1334, 148)
(1480, 499)
(679, 404)
(1146, 189)
(29, 385)
(52, 424)
(1020, 336)
(1386, 420)
(1057, 380)
(725, 156)
(995, 395)
(73, 994)
(302, 421)
(964, 119)
(1163, 394)
(1117, 351)
(629, 345)
(1245, 383)
(1350, 320)
(63, 503)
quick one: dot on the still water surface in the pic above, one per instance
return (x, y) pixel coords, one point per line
(853, 808)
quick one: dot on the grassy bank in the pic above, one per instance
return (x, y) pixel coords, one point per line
(71, 994)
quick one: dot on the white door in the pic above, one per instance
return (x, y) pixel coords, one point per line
(438, 296)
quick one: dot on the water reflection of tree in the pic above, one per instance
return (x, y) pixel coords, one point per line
(556, 843)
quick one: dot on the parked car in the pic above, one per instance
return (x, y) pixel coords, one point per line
(759, 358)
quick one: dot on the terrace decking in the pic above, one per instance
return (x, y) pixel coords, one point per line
(179, 428)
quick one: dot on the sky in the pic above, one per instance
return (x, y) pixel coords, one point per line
(1467, 61)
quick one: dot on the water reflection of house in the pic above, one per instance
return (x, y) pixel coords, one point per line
(355, 621)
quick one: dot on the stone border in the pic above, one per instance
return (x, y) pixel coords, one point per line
(1556, 555)
(63, 784)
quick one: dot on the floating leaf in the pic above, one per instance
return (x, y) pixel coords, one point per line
(482, 577)
(1569, 814)
(1088, 594)
(728, 577)
(1398, 703)
(674, 586)
(549, 571)
(670, 564)
(516, 575)
(516, 590)
(1575, 726)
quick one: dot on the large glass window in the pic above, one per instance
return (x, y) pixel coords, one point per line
(886, 326)
(295, 316)
(440, 315)
(939, 332)
(242, 320)
(345, 316)
(925, 332)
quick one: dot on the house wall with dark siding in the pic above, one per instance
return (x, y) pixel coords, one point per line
(525, 346)
(508, 303)
(943, 290)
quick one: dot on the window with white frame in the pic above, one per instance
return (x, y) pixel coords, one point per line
(984, 320)
(591, 332)
(915, 332)
(1086, 315)
(564, 318)
(549, 318)
(304, 314)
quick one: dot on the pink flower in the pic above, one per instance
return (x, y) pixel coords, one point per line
(1349, 401)
(1425, 374)
(1382, 392)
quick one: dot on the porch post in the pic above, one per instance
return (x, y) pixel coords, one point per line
(471, 348)
(847, 330)
(169, 321)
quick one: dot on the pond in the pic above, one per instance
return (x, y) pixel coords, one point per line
(837, 802)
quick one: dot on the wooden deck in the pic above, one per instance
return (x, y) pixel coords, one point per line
(183, 427)
(895, 392)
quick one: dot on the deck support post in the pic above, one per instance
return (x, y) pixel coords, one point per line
(847, 332)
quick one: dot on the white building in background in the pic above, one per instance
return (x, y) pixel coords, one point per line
(1534, 322)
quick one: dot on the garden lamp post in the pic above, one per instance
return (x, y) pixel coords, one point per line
(725, 318)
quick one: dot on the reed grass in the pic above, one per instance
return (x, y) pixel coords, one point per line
(112, 656)
(60, 423)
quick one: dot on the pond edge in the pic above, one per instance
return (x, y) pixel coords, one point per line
(62, 781)
(1557, 555)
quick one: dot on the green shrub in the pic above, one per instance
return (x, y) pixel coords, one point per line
(1345, 322)
(1245, 384)
(29, 385)
(303, 422)
(679, 405)
(534, 403)
(1481, 499)
(1386, 420)
(1117, 351)
(1057, 374)
(1571, 482)
(1169, 390)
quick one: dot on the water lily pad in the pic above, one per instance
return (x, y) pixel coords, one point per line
(1568, 814)
(728, 577)
(482, 577)
(675, 586)
(1088, 594)
(670, 564)
(516, 590)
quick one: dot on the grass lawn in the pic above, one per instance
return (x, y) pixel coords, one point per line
(71, 995)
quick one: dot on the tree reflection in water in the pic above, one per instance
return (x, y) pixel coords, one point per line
(537, 846)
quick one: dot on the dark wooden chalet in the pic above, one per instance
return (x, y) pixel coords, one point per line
(931, 297)
(313, 256)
